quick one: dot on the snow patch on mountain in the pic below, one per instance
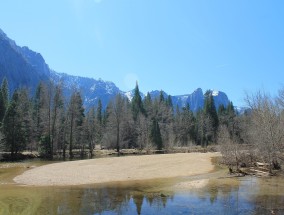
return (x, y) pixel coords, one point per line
(215, 93)
(129, 95)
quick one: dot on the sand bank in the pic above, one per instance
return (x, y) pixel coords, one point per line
(117, 169)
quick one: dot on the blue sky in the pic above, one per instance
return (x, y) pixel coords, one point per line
(174, 45)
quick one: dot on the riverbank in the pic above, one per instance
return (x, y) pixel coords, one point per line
(118, 169)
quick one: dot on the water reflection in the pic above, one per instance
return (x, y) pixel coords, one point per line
(24, 200)
(221, 196)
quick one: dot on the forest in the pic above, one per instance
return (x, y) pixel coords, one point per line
(59, 127)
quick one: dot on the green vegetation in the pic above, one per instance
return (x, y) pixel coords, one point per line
(55, 127)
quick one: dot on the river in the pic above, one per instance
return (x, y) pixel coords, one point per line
(221, 195)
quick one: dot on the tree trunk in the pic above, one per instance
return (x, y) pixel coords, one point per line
(117, 139)
(71, 139)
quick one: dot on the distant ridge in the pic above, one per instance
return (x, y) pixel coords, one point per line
(26, 68)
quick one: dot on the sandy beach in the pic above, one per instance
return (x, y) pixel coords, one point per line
(118, 169)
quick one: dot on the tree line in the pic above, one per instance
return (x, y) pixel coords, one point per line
(56, 126)
(53, 125)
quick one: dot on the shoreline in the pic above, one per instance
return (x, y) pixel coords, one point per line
(118, 169)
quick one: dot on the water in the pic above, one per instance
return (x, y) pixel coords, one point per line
(248, 195)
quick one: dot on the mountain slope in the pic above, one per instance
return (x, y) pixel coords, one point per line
(16, 67)
(26, 68)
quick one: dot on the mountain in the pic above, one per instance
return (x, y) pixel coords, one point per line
(91, 89)
(195, 99)
(25, 68)
(16, 66)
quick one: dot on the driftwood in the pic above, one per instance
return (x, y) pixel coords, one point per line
(260, 171)
(258, 164)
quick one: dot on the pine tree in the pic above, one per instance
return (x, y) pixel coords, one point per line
(2, 107)
(231, 109)
(221, 109)
(25, 111)
(42, 105)
(156, 136)
(136, 103)
(147, 103)
(232, 122)
(40, 113)
(5, 93)
(222, 115)
(13, 127)
(169, 101)
(162, 98)
(211, 117)
(100, 121)
(99, 112)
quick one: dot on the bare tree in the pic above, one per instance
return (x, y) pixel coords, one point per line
(184, 126)
(56, 118)
(75, 117)
(266, 130)
(229, 147)
(90, 131)
(117, 114)
(280, 98)
(143, 131)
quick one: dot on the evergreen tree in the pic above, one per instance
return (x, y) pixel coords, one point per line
(100, 121)
(162, 98)
(99, 112)
(221, 109)
(5, 93)
(222, 115)
(177, 110)
(184, 126)
(147, 103)
(13, 127)
(169, 101)
(232, 122)
(156, 136)
(25, 113)
(137, 104)
(40, 112)
(2, 107)
(231, 109)
(211, 117)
